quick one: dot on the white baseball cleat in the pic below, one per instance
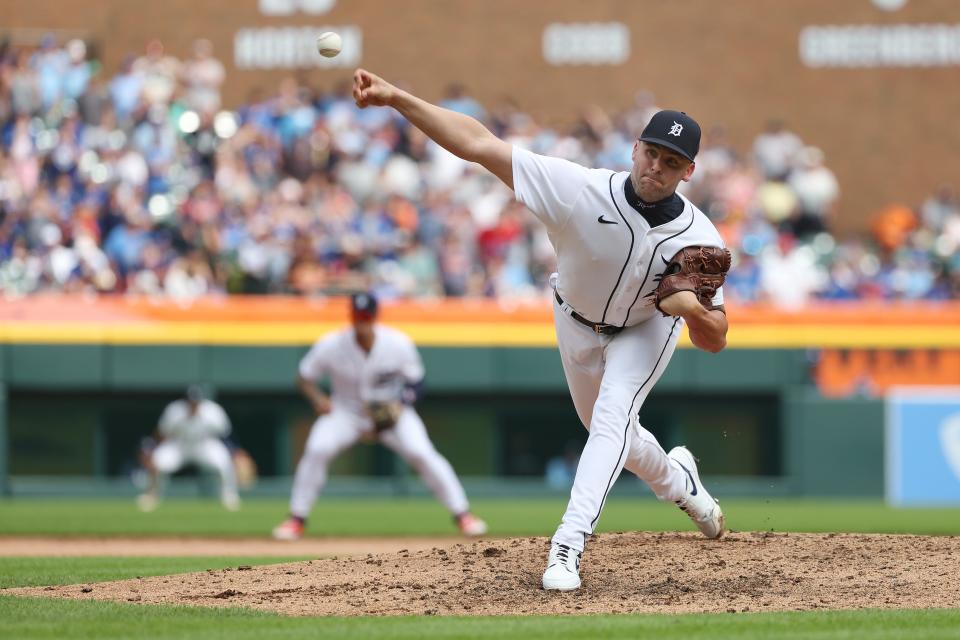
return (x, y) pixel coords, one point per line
(147, 502)
(290, 529)
(563, 568)
(231, 502)
(702, 508)
(470, 525)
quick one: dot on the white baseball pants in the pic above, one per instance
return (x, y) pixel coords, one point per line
(171, 455)
(609, 378)
(338, 430)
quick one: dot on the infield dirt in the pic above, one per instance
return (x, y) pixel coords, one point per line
(622, 573)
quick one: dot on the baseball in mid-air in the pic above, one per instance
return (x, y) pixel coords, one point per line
(329, 44)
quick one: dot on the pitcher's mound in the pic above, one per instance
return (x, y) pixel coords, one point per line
(622, 572)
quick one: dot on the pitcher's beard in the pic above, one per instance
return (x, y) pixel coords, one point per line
(648, 191)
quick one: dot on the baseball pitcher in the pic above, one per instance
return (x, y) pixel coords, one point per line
(636, 261)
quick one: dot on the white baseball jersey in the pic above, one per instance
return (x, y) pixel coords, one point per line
(609, 257)
(196, 438)
(210, 421)
(357, 377)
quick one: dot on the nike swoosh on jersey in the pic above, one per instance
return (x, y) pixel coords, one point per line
(603, 220)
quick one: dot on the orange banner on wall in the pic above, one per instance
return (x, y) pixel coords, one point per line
(842, 372)
(280, 320)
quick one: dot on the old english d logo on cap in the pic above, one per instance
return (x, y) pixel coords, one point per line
(674, 130)
(364, 302)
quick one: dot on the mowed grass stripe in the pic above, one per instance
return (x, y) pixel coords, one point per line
(42, 619)
(33, 572)
(424, 516)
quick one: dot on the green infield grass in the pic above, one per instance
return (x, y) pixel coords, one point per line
(423, 516)
(33, 572)
(41, 619)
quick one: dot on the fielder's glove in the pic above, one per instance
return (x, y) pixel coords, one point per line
(701, 270)
(384, 414)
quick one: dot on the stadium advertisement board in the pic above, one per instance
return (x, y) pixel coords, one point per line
(923, 446)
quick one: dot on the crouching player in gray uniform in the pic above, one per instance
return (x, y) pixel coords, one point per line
(374, 372)
(614, 234)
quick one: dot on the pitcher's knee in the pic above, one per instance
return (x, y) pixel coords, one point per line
(608, 420)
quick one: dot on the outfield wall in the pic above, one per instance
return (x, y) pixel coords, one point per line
(86, 381)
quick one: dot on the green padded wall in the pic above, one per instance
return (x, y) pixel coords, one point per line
(145, 367)
(834, 446)
(48, 366)
(449, 369)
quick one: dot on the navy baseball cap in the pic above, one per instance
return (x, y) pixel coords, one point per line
(674, 130)
(365, 303)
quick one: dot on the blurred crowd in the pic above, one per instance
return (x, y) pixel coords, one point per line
(140, 183)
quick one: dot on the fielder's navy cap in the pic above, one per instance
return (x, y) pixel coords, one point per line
(196, 393)
(674, 130)
(364, 303)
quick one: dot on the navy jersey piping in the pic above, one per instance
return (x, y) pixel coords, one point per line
(629, 252)
(693, 214)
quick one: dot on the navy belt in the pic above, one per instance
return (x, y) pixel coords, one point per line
(596, 327)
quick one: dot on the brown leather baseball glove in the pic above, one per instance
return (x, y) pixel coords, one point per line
(384, 414)
(701, 270)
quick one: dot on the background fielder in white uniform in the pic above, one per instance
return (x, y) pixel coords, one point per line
(192, 431)
(367, 364)
(614, 234)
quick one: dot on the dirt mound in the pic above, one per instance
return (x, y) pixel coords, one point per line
(152, 546)
(622, 572)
